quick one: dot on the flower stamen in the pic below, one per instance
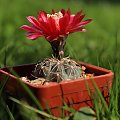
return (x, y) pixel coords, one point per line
(56, 17)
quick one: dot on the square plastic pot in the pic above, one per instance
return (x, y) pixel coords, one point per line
(74, 92)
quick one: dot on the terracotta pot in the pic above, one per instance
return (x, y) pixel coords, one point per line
(73, 92)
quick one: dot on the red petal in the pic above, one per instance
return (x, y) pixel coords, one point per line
(77, 16)
(63, 22)
(68, 12)
(80, 18)
(52, 26)
(77, 30)
(34, 36)
(42, 16)
(63, 11)
(45, 27)
(84, 23)
(28, 28)
(33, 21)
(71, 19)
(77, 20)
(78, 13)
(78, 27)
(53, 12)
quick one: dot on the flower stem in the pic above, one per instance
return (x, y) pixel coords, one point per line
(58, 48)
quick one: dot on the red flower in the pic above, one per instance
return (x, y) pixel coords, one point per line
(56, 25)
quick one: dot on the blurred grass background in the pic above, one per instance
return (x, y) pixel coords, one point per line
(98, 43)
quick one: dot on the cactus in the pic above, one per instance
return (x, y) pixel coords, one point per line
(55, 28)
(54, 70)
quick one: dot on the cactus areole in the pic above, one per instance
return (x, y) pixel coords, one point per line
(55, 28)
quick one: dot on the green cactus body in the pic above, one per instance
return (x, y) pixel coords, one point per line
(54, 70)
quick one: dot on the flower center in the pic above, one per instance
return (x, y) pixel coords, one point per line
(56, 17)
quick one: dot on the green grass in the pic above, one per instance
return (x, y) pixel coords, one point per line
(98, 46)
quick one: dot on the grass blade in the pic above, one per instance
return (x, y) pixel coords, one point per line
(35, 110)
